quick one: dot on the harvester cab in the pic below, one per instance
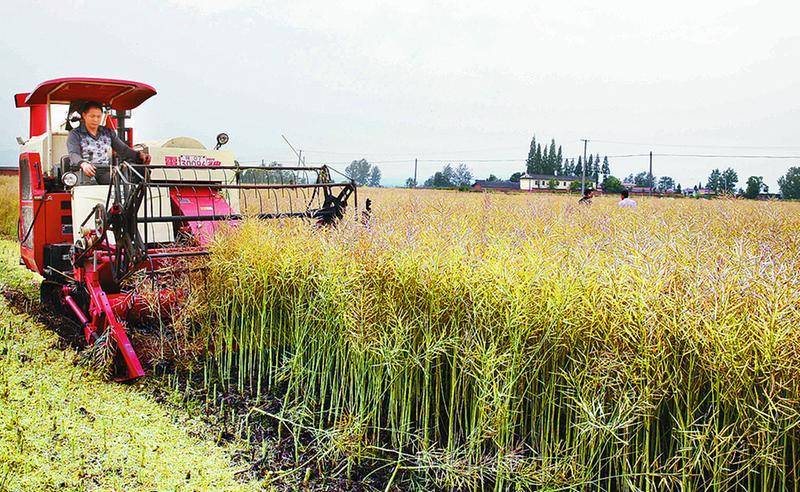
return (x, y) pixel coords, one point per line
(87, 240)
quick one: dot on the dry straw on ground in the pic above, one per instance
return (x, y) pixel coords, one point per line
(527, 340)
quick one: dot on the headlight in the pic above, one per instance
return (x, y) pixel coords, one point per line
(69, 179)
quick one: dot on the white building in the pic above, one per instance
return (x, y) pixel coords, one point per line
(532, 182)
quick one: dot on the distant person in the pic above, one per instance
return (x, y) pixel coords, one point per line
(626, 202)
(366, 214)
(587, 197)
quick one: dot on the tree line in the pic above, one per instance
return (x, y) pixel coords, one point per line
(449, 177)
(363, 173)
(549, 160)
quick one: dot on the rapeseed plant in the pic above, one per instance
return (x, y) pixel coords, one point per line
(525, 341)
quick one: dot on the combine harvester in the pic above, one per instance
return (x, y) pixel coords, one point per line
(87, 240)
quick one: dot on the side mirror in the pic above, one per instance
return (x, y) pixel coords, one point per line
(74, 119)
(222, 139)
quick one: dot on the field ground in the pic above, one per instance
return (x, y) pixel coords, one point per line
(61, 428)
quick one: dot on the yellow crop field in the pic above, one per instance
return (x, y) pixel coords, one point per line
(9, 205)
(473, 340)
(527, 340)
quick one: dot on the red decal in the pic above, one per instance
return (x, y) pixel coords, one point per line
(191, 160)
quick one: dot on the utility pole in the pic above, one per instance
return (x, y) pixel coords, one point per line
(650, 181)
(298, 154)
(583, 168)
(415, 172)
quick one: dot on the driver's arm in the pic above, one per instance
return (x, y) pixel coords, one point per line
(74, 150)
(124, 152)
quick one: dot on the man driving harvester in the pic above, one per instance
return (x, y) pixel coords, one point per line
(90, 146)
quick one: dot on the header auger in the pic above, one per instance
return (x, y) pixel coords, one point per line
(87, 240)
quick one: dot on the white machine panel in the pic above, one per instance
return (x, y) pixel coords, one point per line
(85, 197)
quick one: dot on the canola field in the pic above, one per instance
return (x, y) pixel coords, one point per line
(514, 342)
(9, 206)
(525, 340)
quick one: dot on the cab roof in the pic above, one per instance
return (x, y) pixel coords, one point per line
(117, 94)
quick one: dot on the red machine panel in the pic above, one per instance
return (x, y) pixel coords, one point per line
(45, 218)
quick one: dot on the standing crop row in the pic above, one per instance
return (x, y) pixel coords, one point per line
(527, 341)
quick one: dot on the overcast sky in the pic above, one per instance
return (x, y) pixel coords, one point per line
(459, 81)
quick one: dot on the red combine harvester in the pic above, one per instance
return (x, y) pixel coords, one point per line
(87, 240)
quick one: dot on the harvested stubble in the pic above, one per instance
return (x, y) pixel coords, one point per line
(526, 340)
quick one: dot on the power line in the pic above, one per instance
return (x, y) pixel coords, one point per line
(709, 156)
(699, 146)
(456, 160)
(714, 156)
(409, 154)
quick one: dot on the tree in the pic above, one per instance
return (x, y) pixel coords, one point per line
(492, 178)
(559, 161)
(729, 180)
(650, 179)
(539, 161)
(547, 159)
(596, 170)
(552, 167)
(359, 171)
(569, 167)
(552, 184)
(441, 179)
(579, 167)
(462, 176)
(272, 176)
(714, 181)
(437, 181)
(576, 185)
(642, 179)
(790, 183)
(449, 177)
(410, 183)
(531, 163)
(515, 177)
(666, 183)
(612, 184)
(605, 170)
(678, 188)
(755, 186)
(375, 176)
